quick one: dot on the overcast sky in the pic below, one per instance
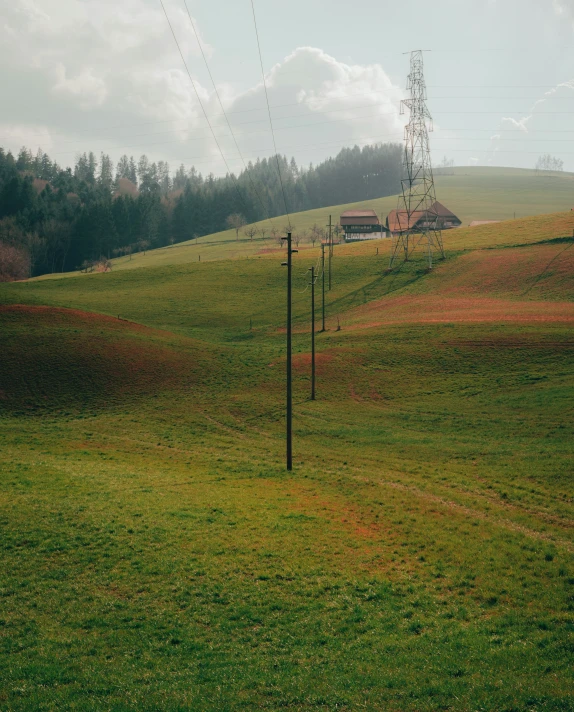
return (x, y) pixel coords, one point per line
(98, 75)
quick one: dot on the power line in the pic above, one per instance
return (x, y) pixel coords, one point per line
(242, 123)
(200, 102)
(265, 211)
(172, 121)
(269, 110)
(280, 118)
(303, 106)
(357, 141)
(317, 123)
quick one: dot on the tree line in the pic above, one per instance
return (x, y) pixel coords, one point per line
(55, 219)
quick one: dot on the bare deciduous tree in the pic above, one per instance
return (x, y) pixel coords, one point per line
(315, 233)
(250, 232)
(549, 163)
(236, 221)
(125, 250)
(103, 265)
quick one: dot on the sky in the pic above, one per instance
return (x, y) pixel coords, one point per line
(81, 75)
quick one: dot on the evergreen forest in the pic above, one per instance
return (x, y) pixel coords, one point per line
(55, 219)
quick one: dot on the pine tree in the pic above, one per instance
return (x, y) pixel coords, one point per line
(123, 167)
(143, 168)
(163, 177)
(24, 160)
(106, 175)
(91, 168)
(133, 173)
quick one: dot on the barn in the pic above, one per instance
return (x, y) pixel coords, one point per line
(361, 225)
(438, 217)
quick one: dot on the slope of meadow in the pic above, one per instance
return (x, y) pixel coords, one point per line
(156, 553)
(219, 300)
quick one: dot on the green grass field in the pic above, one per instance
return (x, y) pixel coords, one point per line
(156, 555)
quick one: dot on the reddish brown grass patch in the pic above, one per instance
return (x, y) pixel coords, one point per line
(434, 309)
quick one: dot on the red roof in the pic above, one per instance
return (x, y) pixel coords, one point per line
(398, 220)
(359, 217)
(440, 210)
(359, 214)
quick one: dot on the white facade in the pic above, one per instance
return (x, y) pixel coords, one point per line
(356, 236)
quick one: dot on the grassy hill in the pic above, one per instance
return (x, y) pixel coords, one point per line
(472, 193)
(156, 553)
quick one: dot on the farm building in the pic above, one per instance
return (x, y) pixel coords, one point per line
(438, 216)
(361, 225)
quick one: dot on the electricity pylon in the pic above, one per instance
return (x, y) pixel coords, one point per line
(417, 216)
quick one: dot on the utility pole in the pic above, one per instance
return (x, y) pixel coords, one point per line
(289, 411)
(312, 270)
(330, 250)
(323, 286)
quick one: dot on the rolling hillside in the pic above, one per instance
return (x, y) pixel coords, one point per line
(157, 555)
(472, 193)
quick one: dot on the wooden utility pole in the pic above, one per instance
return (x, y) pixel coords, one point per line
(330, 250)
(323, 286)
(289, 410)
(312, 270)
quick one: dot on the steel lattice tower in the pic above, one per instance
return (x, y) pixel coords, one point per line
(416, 203)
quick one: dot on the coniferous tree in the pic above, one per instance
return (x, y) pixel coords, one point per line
(24, 161)
(76, 218)
(92, 168)
(122, 169)
(133, 173)
(106, 175)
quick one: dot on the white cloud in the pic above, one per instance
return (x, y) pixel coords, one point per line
(88, 89)
(518, 124)
(320, 103)
(563, 7)
(95, 63)
(102, 75)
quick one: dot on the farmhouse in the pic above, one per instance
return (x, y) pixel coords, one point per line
(361, 225)
(437, 216)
